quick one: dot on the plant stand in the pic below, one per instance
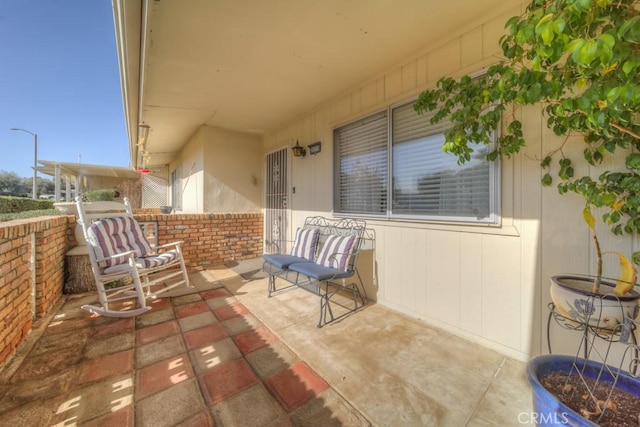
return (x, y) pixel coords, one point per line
(590, 368)
(621, 334)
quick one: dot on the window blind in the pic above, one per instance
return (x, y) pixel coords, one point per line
(361, 159)
(426, 183)
(429, 182)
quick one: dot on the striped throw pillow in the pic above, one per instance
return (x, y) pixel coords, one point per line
(111, 236)
(336, 251)
(306, 243)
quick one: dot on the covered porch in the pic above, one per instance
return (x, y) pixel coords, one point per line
(219, 95)
(225, 354)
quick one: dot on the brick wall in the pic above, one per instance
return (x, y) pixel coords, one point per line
(211, 239)
(16, 245)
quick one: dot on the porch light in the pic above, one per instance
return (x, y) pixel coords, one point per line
(298, 150)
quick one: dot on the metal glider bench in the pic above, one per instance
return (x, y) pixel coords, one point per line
(323, 256)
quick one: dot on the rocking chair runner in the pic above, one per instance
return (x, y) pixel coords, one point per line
(119, 253)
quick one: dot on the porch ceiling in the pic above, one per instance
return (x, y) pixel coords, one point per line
(255, 65)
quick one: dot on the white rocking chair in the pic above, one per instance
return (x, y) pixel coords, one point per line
(127, 270)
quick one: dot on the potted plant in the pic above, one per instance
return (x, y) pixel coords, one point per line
(591, 393)
(588, 391)
(590, 299)
(580, 59)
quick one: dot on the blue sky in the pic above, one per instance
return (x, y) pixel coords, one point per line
(59, 78)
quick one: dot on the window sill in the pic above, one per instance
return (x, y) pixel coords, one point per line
(505, 228)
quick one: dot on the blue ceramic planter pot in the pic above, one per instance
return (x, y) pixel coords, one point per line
(548, 410)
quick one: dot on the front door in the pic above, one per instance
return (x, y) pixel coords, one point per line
(276, 219)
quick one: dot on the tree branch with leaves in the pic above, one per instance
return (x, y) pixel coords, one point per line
(580, 59)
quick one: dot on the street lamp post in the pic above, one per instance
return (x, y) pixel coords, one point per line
(35, 161)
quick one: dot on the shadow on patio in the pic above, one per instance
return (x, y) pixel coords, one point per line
(225, 354)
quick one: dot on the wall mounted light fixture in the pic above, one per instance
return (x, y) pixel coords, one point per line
(298, 150)
(315, 148)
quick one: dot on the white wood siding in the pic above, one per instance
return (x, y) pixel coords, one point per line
(488, 284)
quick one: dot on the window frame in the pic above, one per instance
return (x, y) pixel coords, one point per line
(495, 171)
(336, 167)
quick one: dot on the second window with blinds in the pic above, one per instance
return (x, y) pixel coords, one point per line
(391, 165)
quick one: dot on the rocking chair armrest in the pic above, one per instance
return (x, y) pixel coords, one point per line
(130, 254)
(167, 245)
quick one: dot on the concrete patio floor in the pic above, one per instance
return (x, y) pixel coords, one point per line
(224, 354)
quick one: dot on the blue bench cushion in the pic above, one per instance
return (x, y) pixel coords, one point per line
(306, 243)
(282, 261)
(336, 251)
(319, 272)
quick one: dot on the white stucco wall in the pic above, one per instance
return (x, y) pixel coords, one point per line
(221, 172)
(488, 284)
(233, 171)
(190, 168)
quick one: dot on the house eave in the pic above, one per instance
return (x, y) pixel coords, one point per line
(127, 16)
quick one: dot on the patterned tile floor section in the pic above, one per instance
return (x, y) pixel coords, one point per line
(200, 359)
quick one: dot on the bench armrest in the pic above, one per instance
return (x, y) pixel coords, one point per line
(333, 258)
(279, 244)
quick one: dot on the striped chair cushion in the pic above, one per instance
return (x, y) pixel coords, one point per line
(157, 260)
(111, 236)
(306, 243)
(336, 251)
(150, 261)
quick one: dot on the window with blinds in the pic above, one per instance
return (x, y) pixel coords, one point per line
(403, 173)
(361, 156)
(428, 182)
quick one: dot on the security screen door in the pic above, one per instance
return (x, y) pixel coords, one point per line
(276, 219)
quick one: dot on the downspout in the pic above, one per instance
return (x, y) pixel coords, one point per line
(144, 24)
(121, 9)
(119, 24)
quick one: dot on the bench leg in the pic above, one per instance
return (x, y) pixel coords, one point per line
(272, 284)
(355, 290)
(325, 306)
